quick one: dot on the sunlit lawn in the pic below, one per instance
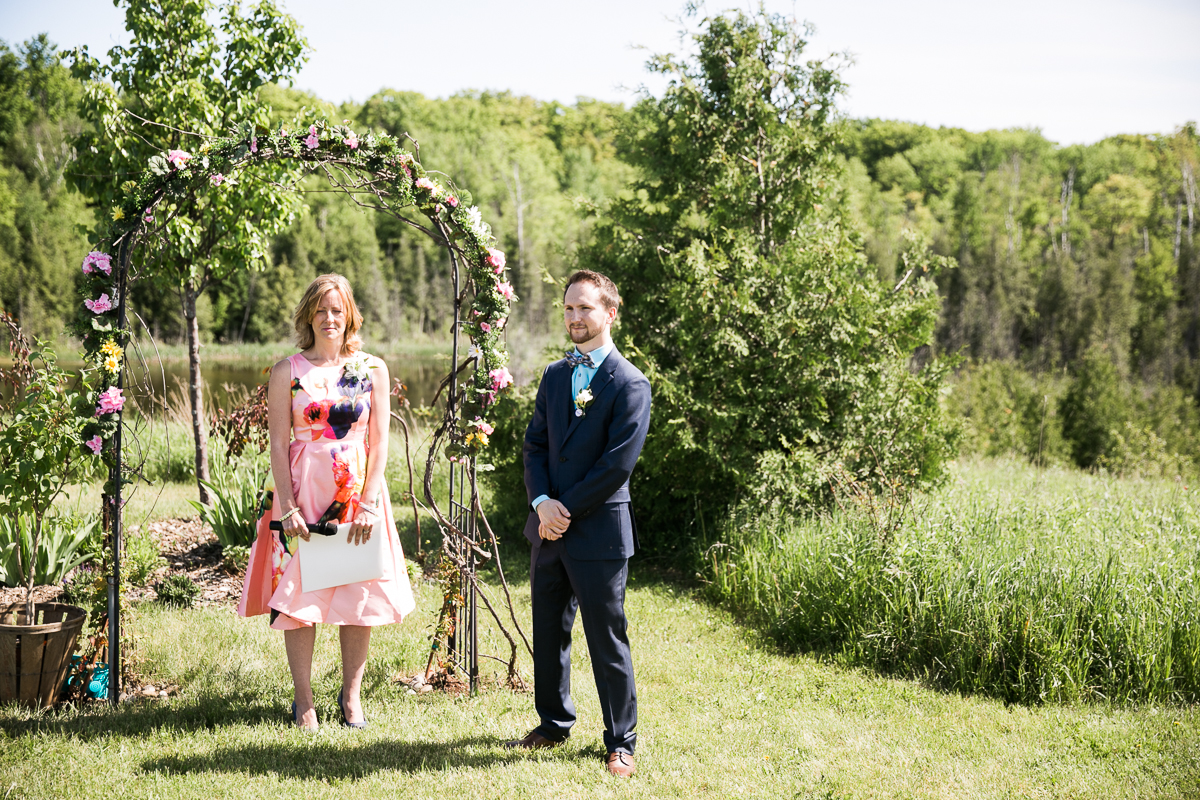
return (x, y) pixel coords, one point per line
(720, 715)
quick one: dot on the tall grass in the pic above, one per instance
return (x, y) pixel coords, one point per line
(1029, 587)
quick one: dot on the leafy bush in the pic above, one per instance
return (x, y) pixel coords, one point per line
(1007, 411)
(1096, 405)
(41, 444)
(142, 558)
(177, 591)
(508, 505)
(63, 546)
(776, 356)
(235, 558)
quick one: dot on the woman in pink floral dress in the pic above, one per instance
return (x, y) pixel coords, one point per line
(328, 452)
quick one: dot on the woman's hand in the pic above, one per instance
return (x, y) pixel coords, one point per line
(295, 526)
(363, 525)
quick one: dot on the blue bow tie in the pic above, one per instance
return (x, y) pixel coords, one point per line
(575, 359)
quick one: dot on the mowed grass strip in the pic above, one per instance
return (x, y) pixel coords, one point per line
(1025, 585)
(722, 714)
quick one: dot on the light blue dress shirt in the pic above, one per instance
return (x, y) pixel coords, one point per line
(581, 379)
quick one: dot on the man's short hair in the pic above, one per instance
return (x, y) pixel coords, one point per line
(608, 290)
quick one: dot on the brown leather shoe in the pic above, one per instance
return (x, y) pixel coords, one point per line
(532, 741)
(620, 764)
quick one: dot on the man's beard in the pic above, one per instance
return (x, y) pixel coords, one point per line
(581, 336)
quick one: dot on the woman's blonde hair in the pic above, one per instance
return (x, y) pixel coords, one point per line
(307, 310)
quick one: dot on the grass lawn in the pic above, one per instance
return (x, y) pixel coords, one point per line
(723, 714)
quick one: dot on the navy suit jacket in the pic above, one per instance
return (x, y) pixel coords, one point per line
(585, 462)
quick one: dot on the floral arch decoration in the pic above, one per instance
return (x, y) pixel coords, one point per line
(373, 165)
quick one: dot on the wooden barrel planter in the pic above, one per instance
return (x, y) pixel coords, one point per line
(35, 654)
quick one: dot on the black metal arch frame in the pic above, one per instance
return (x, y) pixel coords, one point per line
(463, 543)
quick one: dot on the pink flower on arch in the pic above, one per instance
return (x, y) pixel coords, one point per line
(178, 158)
(483, 326)
(505, 289)
(351, 141)
(452, 201)
(426, 184)
(501, 378)
(95, 444)
(483, 426)
(495, 258)
(216, 179)
(312, 140)
(96, 260)
(99, 306)
(110, 400)
(253, 144)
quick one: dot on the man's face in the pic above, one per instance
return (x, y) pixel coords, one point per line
(584, 313)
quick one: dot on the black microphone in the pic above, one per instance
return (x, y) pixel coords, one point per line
(324, 528)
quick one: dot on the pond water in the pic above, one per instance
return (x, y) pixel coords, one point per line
(228, 383)
(158, 386)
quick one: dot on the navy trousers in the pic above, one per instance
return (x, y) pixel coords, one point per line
(560, 585)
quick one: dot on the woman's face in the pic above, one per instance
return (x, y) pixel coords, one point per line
(329, 322)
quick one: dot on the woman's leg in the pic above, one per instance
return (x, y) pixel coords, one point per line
(299, 643)
(355, 641)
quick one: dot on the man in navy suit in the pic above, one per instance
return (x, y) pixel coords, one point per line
(589, 423)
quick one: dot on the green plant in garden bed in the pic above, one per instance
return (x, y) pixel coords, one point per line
(41, 449)
(177, 591)
(62, 548)
(1059, 586)
(235, 508)
(142, 558)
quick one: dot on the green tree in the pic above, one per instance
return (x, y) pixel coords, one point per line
(40, 245)
(190, 80)
(40, 445)
(1094, 408)
(779, 362)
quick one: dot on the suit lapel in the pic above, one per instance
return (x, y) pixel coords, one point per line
(601, 381)
(560, 388)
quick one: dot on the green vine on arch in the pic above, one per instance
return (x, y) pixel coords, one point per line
(372, 165)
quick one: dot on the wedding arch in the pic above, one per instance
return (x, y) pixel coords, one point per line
(376, 172)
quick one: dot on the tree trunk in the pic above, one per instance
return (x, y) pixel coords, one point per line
(249, 305)
(195, 395)
(30, 567)
(1068, 189)
(1178, 230)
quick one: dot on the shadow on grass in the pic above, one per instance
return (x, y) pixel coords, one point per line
(136, 718)
(337, 760)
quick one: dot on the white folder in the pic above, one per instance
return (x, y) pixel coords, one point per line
(327, 561)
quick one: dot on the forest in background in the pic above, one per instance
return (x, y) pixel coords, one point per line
(1075, 302)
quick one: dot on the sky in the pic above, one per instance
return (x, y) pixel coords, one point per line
(1078, 70)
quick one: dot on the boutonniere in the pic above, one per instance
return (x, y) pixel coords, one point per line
(582, 401)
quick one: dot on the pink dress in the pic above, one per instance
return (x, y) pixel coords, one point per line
(328, 458)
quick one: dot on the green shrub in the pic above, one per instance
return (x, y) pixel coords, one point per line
(142, 558)
(64, 545)
(508, 505)
(235, 558)
(776, 356)
(1007, 411)
(1094, 408)
(177, 591)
